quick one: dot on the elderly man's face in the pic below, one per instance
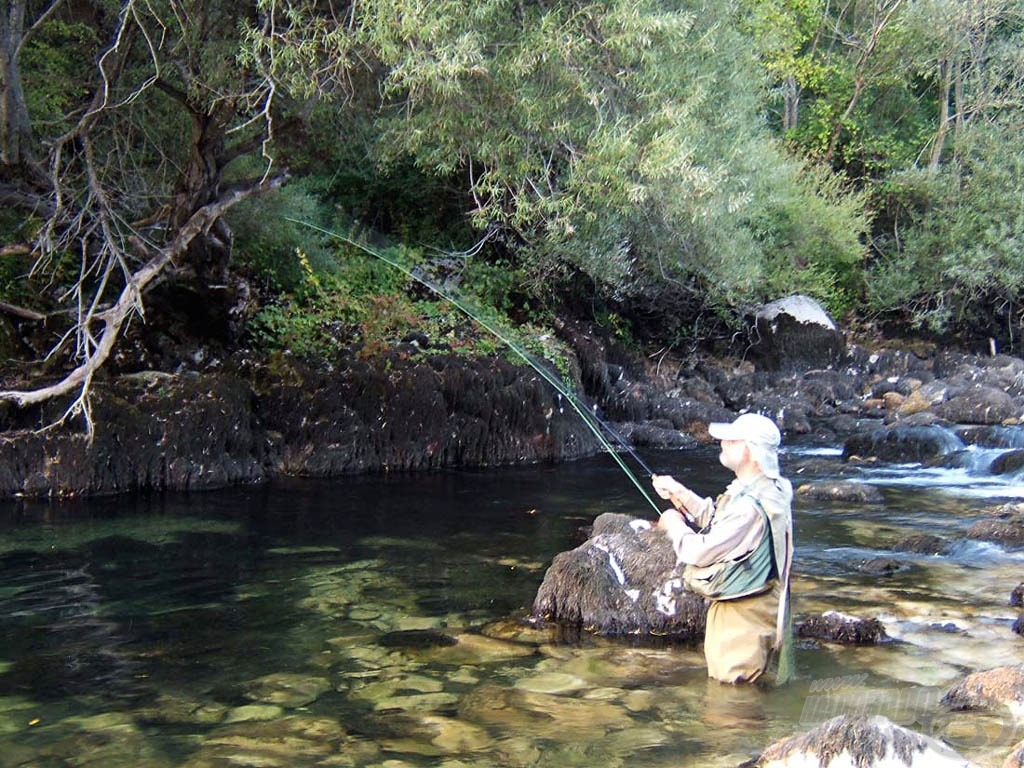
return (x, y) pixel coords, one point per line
(734, 454)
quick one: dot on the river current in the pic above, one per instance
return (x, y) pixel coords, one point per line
(378, 621)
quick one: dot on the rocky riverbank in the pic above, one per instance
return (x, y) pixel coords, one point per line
(418, 409)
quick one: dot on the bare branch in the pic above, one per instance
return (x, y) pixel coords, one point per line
(42, 19)
(17, 249)
(129, 301)
(20, 312)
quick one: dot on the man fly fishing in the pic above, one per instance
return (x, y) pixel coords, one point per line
(738, 551)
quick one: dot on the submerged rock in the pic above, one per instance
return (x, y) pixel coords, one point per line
(416, 638)
(278, 743)
(622, 580)
(286, 689)
(882, 566)
(861, 741)
(923, 544)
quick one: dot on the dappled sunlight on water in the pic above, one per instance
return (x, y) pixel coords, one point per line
(380, 621)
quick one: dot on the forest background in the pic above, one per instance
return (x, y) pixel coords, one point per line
(659, 168)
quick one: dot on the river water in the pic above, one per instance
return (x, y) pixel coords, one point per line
(377, 621)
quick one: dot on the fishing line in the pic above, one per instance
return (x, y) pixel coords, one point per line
(593, 422)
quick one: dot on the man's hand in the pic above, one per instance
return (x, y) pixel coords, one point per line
(667, 487)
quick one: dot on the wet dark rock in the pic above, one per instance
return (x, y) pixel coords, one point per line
(991, 689)
(838, 628)
(196, 431)
(1001, 371)
(923, 544)
(416, 639)
(654, 434)
(901, 385)
(860, 493)
(428, 413)
(795, 333)
(241, 421)
(918, 419)
(1018, 625)
(924, 398)
(992, 436)
(1008, 463)
(1017, 596)
(1005, 525)
(902, 444)
(621, 581)
(864, 741)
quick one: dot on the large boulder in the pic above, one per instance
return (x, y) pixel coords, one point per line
(979, 405)
(861, 741)
(623, 580)
(796, 333)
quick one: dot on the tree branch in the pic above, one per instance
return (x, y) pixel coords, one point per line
(20, 312)
(113, 319)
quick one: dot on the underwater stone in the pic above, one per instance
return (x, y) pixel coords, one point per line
(288, 690)
(555, 683)
(253, 712)
(416, 638)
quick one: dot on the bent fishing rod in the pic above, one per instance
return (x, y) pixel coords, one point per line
(590, 419)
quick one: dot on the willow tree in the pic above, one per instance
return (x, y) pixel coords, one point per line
(618, 141)
(120, 125)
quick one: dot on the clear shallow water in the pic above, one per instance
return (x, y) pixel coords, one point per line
(311, 623)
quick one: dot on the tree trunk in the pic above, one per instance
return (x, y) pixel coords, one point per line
(15, 128)
(946, 68)
(210, 253)
(791, 95)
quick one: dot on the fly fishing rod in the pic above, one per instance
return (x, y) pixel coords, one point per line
(592, 421)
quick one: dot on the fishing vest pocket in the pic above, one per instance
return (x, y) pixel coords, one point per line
(732, 579)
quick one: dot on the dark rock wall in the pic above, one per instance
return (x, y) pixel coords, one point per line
(192, 431)
(440, 412)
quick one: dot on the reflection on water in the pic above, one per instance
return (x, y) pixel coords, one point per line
(376, 621)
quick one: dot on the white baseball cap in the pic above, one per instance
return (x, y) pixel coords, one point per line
(759, 433)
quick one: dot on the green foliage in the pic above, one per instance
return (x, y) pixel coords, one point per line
(621, 140)
(54, 79)
(812, 235)
(961, 264)
(348, 297)
(268, 233)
